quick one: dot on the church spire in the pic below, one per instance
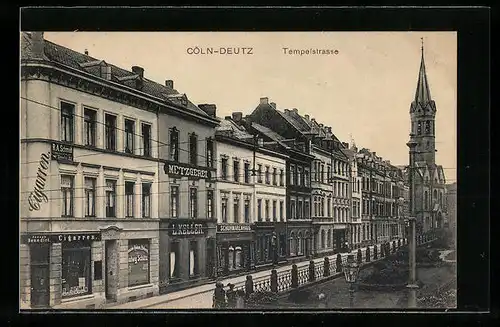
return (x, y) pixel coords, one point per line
(423, 93)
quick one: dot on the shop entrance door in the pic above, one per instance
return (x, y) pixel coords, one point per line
(40, 282)
(111, 274)
(40, 276)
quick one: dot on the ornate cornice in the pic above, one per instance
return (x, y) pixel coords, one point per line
(88, 83)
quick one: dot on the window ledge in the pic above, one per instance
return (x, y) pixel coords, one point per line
(138, 287)
(77, 298)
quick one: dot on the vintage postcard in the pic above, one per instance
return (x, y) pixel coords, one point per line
(238, 170)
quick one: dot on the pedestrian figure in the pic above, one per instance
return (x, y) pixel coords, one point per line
(219, 299)
(346, 246)
(231, 296)
(240, 299)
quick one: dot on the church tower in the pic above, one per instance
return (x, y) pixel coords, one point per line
(423, 114)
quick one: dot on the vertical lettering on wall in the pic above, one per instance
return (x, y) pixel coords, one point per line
(37, 196)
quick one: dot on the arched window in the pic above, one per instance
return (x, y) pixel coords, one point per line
(292, 243)
(323, 239)
(426, 200)
(329, 238)
(440, 198)
(299, 244)
(435, 194)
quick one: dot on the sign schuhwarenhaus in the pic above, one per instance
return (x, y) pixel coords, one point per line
(228, 228)
(181, 170)
(187, 229)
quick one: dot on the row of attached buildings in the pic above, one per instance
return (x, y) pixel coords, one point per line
(129, 190)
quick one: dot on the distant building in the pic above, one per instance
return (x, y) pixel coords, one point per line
(451, 206)
(355, 193)
(382, 192)
(429, 177)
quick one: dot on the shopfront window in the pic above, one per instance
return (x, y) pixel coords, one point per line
(174, 260)
(193, 258)
(76, 270)
(138, 262)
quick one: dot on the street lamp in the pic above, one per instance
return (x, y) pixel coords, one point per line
(351, 270)
(275, 248)
(412, 282)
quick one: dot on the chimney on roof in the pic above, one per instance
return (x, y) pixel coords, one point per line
(169, 83)
(273, 104)
(209, 109)
(237, 116)
(138, 71)
(86, 52)
(37, 42)
(307, 117)
(374, 154)
(264, 100)
(329, 129)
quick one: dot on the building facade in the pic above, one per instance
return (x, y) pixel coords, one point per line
(382, 197)
(429, 178)
(89, 175)
(279, 132)
(187, 198)
(355, 223)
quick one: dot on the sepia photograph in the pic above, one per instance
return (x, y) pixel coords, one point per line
(238, 171)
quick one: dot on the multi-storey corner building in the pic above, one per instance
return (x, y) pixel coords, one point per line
(278, 131)
(251, 190)
(429, 178)
(89, 179)
(187, 200)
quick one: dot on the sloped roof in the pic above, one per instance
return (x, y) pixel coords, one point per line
(62, 55)
(295, 121)
(235, 130)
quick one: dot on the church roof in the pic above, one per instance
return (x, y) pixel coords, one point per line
(423, 101)
(423, 93)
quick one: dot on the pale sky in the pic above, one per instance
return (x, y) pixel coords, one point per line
(364, 91)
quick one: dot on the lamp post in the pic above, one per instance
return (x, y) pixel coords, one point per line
(275, 249)
(351, 270)
(412, 283)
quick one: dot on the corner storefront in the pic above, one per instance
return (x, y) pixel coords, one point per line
(87, 269)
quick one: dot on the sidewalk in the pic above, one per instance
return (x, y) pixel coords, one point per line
(237, 281)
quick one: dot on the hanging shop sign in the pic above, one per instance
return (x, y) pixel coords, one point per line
(228, 228)
(60, 238)
(61, 151)
(182, 170)
(37, 196)
(186, 229)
